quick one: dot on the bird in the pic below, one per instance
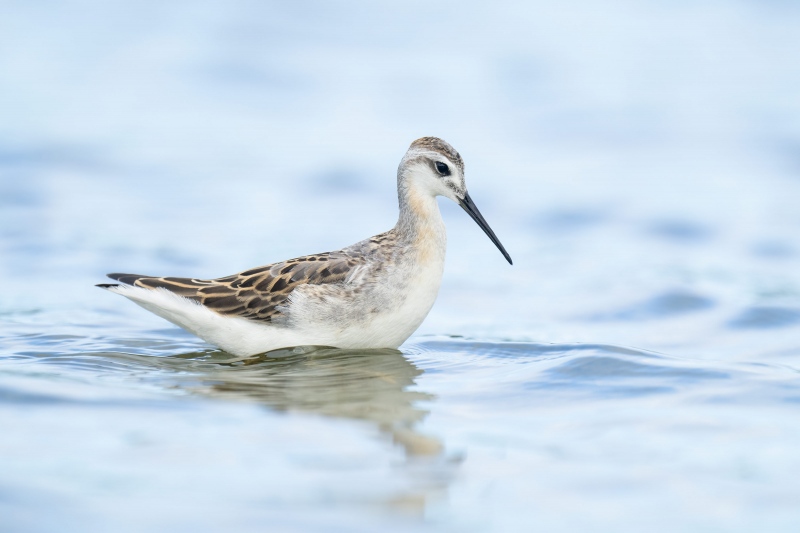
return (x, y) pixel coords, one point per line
(372, 294)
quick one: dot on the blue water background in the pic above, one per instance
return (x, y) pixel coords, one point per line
(635, 370)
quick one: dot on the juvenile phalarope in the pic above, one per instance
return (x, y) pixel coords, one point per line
(373, 294)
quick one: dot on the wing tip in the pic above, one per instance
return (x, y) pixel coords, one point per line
(127, 279)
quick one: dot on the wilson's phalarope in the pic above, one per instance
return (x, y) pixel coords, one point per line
(373, 294)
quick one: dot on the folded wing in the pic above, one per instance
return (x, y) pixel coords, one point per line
(255, 294)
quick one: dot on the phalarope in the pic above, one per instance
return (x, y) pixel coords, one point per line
(373, 294)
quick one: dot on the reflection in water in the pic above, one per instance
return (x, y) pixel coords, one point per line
(367, 385)
(370, 385)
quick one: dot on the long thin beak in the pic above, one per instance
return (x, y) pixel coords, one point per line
(469, 206)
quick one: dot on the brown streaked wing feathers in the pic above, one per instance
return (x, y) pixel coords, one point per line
(257, 293)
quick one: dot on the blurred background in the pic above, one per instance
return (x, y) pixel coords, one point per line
(639, 160)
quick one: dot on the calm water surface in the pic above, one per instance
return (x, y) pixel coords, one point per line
(637, 369)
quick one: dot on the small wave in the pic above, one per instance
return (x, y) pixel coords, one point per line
(598, 370)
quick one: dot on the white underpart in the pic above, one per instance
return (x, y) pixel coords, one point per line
(235, 335)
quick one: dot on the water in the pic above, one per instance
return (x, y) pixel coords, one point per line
(636, 369)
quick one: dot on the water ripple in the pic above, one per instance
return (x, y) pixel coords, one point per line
(597, 370)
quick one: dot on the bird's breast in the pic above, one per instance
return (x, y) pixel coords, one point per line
(380, 307)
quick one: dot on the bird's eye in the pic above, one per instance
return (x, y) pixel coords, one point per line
(442, 169)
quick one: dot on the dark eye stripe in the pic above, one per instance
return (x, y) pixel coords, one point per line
(442, 169)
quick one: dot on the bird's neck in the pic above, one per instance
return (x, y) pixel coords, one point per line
(420, 223)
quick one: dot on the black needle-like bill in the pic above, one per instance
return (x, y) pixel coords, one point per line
(469, 206)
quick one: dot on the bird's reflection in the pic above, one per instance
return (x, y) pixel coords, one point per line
(369, 385)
